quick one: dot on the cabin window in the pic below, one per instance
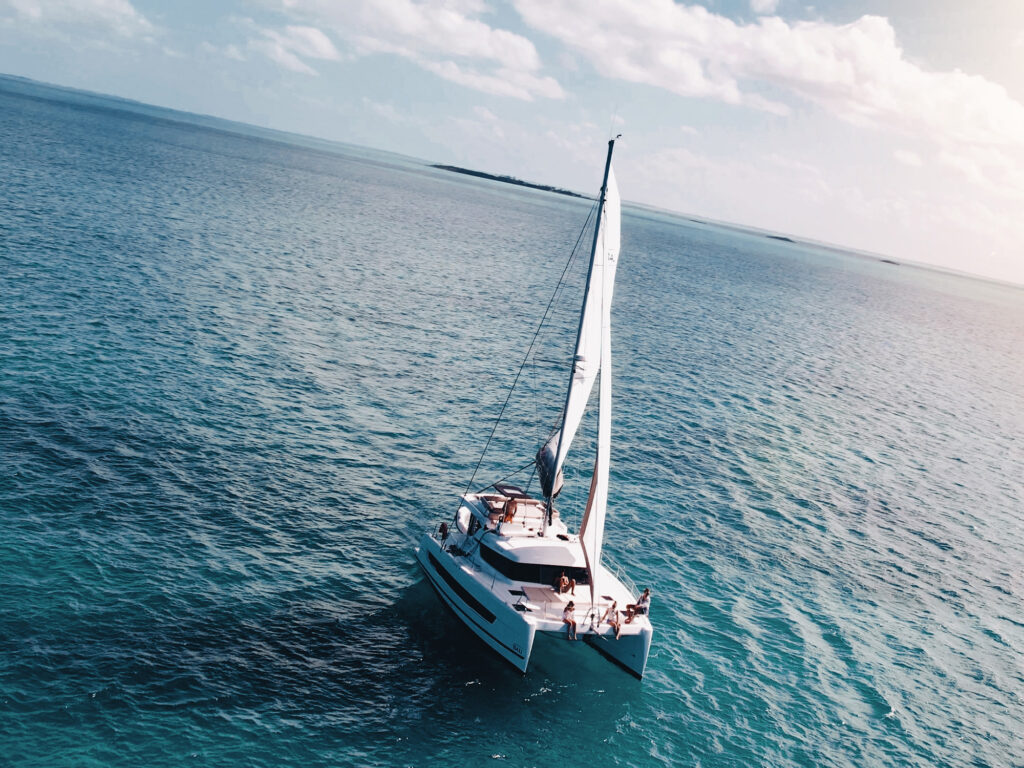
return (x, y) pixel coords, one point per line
(533, 573)
(460, 590)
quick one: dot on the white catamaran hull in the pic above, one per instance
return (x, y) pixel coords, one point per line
(498, 624)
(509, 626)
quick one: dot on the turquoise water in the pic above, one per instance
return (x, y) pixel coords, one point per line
(240, 373)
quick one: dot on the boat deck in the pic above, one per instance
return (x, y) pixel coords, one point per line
(547, 605)
(517, 516)
(518, 520)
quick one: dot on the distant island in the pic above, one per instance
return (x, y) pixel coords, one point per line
(781, 237)
(889, 261)
(507, 180)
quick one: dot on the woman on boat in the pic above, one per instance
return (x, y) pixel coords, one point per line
(612, 617)
(568, 620)
(565, 584)
(640, 607)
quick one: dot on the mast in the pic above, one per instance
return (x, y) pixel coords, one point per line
(592, 527)
(550, 475)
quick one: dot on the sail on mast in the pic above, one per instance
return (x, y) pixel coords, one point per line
(592, 529)
(587, 357)
(592, 357)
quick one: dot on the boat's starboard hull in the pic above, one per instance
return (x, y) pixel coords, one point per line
(629, 651)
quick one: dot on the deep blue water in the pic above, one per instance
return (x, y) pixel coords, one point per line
(240, 373)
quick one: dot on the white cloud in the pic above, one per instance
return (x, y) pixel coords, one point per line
(764, 6)
(948, 225)
(486, 115)
(384, 110)
(991, 169)
(484, 123)
(290, 46)
(856, 71)
(907, 157)
(579, 142)
(117, 16)
(442, 36)
(310, 42)
(504, 82)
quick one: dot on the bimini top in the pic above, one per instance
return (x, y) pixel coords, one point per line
(540, 551)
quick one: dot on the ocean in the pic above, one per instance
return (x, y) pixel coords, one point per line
(241, 372)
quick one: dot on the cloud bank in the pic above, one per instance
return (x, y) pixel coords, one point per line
(290, 46)
(856, 71)
(444, 37)
(117, 16)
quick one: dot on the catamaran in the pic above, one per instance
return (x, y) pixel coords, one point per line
(507, 565)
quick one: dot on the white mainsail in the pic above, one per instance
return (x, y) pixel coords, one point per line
(592, 356)
(592, 530)
(587, 357)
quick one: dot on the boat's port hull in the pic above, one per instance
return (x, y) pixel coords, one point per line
(497, 624)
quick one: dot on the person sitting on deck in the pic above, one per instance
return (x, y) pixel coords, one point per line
(612, 617)
(565, 584)
(640, 607)
(568, 620)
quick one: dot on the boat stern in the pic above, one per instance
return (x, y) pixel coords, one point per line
(629, 651)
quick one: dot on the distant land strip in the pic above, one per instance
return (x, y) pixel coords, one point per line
(507, 180)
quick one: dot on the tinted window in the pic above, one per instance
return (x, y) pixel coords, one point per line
(460, 590)
(533, 573)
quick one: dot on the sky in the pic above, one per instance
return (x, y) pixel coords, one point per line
(890, 126)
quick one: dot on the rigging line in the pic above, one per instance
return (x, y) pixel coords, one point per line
(561, 288)
(509, 476)
(532, 475)
(561, 285)
(536, 333)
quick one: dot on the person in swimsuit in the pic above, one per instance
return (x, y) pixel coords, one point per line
(568, 620)
(565, 584)
(640, 607)
(612, 617)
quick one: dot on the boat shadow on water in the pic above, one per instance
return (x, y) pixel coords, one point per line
(459, 681)
(404, 674)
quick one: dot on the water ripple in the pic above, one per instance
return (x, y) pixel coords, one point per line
(238, 376)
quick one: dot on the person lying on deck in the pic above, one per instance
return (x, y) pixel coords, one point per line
(612, 617)
(640, 607)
